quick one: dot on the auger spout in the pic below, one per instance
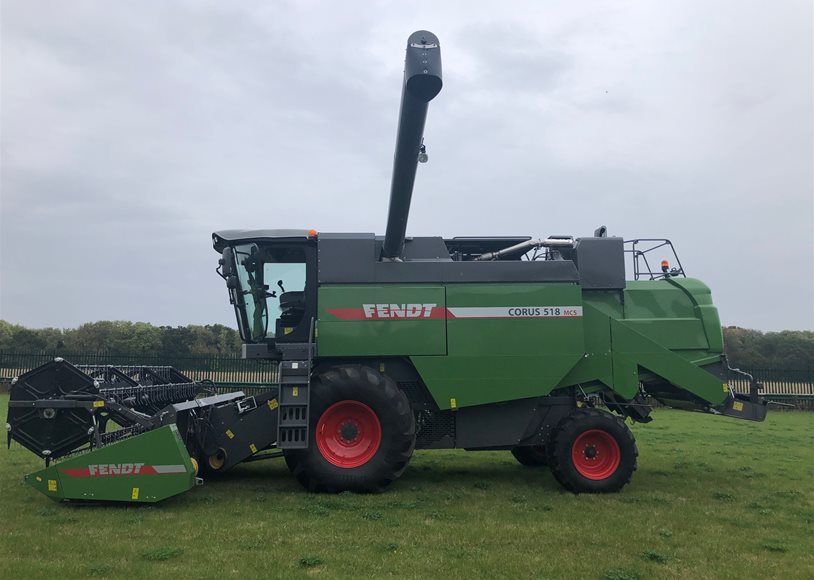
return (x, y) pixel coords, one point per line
(422, 82)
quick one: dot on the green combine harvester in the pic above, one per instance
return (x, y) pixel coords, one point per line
(387, 344)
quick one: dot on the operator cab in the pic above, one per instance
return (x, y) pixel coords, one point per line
(271, 277)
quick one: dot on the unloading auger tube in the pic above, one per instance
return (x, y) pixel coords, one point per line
(422, 82)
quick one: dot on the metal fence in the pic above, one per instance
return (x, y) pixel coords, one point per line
(248, 374)
(777, 383)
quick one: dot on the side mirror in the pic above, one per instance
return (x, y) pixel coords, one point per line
(227, 262)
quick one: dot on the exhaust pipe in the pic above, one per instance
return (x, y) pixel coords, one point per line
(422, 82)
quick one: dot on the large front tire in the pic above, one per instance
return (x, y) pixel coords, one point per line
(593, 452)
(361, 433)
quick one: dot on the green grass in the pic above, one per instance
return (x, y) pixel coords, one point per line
(713, 497)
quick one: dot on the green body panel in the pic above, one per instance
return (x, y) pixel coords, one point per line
(398, 336)
(597, 363)
(144, 468)
(661, 329)
(701, 296)
(632, 349)
(499, 359)
(676, 312)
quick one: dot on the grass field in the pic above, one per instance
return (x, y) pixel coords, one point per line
(713, 498)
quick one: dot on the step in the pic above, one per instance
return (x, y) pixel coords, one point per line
(294, 395)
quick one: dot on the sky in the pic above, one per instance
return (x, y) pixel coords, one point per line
(131, 130)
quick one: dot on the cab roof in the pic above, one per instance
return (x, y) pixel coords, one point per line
(223, 238)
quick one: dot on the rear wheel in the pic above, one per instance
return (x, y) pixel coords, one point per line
(593, 451)
(531, 456)
(362, 433)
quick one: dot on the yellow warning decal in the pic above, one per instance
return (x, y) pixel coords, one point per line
(229, 434)
(273, 404)
(38, 478)
(288, 330)
(453, 404)
(381, 367)
(134, 495)
(253, 447)
(52, 485)
(295, 391)
(98, 403)
(726, 388)
(737, 405)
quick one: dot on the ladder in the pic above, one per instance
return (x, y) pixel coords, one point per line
(294, 379)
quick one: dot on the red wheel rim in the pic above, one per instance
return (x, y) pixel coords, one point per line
(595, 454)
(348, 434)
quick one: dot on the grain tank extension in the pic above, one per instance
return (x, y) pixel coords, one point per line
(387, 344)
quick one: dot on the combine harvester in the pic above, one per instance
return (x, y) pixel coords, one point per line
(390, 344)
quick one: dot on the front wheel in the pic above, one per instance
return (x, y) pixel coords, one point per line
(593, 452)
(362, 433)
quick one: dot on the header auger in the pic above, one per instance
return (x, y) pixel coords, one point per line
(386, 344)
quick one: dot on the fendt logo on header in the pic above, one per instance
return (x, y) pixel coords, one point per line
(387, 311)
(108, 469)
(115, 469)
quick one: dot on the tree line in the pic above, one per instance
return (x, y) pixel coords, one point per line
(746, 348)
(753, 349)
(119, 337)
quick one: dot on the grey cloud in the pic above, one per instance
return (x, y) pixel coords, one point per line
(131, 130)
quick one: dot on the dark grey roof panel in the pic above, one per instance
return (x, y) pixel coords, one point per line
(346, 236)
(222, 237)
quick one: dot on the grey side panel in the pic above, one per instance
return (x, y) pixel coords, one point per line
(511, 271)
(353, 259)
(346, 258)
(505, 425)
(601, 263)
(501, 424)
(426, 249)
(350, 270)
(408, 272)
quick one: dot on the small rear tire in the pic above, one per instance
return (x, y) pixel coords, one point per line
(361, 433)
(211, 465)
(531, 455)
(593, 451)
